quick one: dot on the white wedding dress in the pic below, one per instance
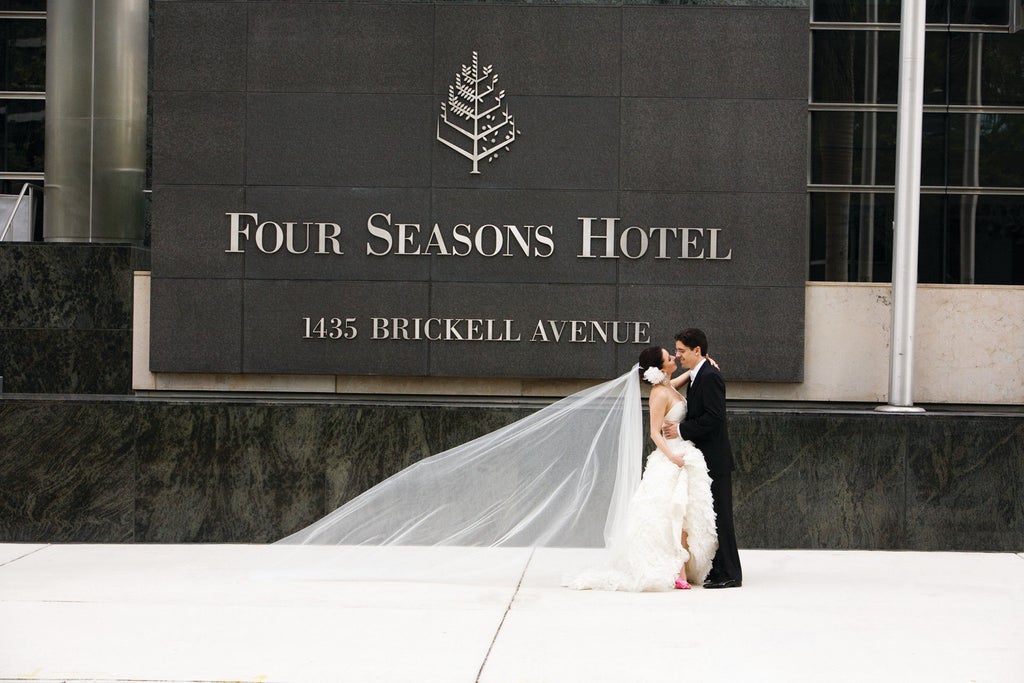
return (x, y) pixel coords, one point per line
(566, 476)
(668, 501)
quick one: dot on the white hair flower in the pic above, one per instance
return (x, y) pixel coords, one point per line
(654, 375)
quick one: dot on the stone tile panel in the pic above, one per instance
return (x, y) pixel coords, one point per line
(196, 325)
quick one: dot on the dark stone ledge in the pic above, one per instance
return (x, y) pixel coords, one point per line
(178, 470)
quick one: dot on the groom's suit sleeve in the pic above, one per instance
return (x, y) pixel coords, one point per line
(712, 388)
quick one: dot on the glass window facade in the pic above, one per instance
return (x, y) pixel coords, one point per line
(23, 57)
(22, 93)
(976, 12)
(972, 204)
(972, 166)
(22, 127)
(23, 5)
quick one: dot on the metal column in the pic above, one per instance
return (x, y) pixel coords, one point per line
(908, 203)
(97, 54)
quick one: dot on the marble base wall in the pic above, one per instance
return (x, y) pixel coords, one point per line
(176, 471)
(66, 317)
(940, 481)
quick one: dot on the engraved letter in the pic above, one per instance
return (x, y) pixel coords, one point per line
(663, 240)
(333, 237)
(691, 242)
(460, 233)
(624, 242)
(237, 230)
(543, 236)
(436, 241)
(514, 234)
(408, 238)
(479, 241)
(713, 249)
(289, 230)
(608, 237)
(381, 233)
(278, 234)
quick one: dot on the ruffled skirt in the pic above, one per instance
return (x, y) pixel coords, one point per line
(669, 501)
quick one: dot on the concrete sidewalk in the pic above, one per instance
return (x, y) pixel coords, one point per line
(205, 613)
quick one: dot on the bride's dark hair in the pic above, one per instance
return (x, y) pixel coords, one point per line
(650, 358)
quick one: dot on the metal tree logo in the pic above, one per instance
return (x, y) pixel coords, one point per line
(473, 125)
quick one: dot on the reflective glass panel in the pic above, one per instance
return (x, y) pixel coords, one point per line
(968, 150)
(23, 5)
(977, 12)
(936, 67)
(985, 12)
(853, 148)
(985, 150)
(851, 237)
(875, 11)
(963, 239)
(981, 238)
(854, 66)
(934, 150)
(986, 69)
(23, 55)
(862, 67)
(22, 124)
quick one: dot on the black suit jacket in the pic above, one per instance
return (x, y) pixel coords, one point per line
(705, 423)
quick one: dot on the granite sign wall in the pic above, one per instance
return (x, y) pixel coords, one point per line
(485, 190)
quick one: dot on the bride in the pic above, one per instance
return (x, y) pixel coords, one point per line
(670, 526)
(561, 477)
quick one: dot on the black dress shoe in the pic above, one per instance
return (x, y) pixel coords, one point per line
(725, 583)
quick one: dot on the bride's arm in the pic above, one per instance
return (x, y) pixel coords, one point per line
(659, 405)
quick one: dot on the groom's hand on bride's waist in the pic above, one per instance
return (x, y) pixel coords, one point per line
(670, 430)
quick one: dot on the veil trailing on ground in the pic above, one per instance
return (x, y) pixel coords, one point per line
(562, 477)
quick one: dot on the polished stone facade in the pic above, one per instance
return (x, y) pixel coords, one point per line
(688, 120)
(66, 317)
(176, 471)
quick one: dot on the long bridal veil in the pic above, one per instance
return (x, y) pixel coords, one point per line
(561, 477)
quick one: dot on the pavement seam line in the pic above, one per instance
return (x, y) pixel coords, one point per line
(508, 608)
(22, 557)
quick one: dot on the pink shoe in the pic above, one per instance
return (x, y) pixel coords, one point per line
(682, 584)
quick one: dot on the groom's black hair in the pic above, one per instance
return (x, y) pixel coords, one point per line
(692, 337)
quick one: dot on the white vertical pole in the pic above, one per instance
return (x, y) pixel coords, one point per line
(910, 110)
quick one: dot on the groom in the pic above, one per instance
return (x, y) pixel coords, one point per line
(705, 426)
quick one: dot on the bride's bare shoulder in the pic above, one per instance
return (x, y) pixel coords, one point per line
(664, 395)
(660, 392)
